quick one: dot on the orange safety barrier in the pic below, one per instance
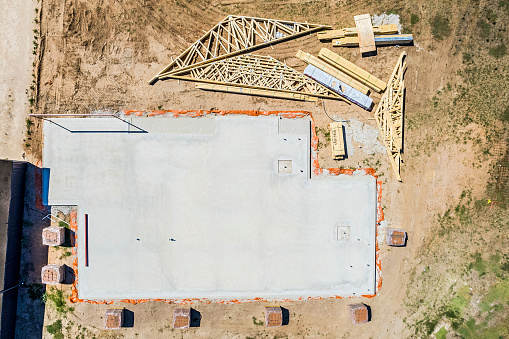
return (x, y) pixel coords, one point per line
(317, 170)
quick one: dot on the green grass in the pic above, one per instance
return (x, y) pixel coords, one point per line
(55, 329)
(441, 334)
(35, 291)
(414, 18)
(440, 27)
(57, 297)
(498, 51)
(485, 28)
(257, 322)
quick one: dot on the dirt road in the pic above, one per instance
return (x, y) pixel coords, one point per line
(15, 68)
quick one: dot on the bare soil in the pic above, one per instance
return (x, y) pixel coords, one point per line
(99, 55)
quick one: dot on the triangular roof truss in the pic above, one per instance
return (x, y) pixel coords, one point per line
(235, 35)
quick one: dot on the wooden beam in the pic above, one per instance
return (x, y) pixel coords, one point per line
(352, 31)
(365, 33)
(352, 70)
(257, 91)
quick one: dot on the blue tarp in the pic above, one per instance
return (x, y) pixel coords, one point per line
(339, 87)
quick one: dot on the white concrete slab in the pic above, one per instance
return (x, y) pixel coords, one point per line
(240, 228)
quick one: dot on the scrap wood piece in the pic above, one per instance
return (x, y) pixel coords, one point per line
(255, 71)
(256, 91)
(389, 115)
(352, 31)
(352, 70)
(236, 35)
(320, 64)
(337, 140)
(365, 33)
(380, 40)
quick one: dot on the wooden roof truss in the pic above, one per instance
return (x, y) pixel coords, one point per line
(389, 114)
(255, 71)
(236, 35)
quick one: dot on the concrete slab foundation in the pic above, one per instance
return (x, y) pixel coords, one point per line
(204, 208)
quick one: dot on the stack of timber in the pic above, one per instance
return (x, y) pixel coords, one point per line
(236, 35)
(320, 64)
(352, 31)
(365, 33)
(255, 75)
(389, 115)
(339, 87)
(352, 70)
(380, 40)
(335, 80)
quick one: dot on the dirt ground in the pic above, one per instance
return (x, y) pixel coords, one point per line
(99, 54)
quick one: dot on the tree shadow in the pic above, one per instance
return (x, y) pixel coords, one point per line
(195, 318)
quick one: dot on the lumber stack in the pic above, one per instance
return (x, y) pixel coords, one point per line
(352, 31)
(352, 70)
(380, 40)
(365, 33)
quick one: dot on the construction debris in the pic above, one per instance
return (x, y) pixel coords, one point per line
(380, 40)
(256, 71)
(53, 274)
(358, 313)
(236, 35)
(273, 316)
(365, 33)
(337, 140)
(389, 115)
(339, 87)
(395, 237)
(114, 318)
(352, 70)
(352, 31)
(182, 318)
(53, 236)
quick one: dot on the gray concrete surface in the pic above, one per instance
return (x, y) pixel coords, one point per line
(16, 57)
(240, 229)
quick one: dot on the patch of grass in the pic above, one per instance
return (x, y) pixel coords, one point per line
(35, 291)
(498, 51)
(63, 224)
(498, 293)
(478, 264)
(57, 297)
(440, 27)
(55, 329)
(505, 114)
(27, 223)
(414, 18)
(441, 334)
(485, 28)
(257, 322)
(456, 307)
(65, 254)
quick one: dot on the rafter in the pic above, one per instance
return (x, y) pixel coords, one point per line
(235, 35)
(389, 114)
(255, 71)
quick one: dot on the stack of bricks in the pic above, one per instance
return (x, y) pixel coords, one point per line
(53, 274)
(182, 318)
(273, 316)
(395, 237)
(53, 236)
(114, 318)
(358, 313)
